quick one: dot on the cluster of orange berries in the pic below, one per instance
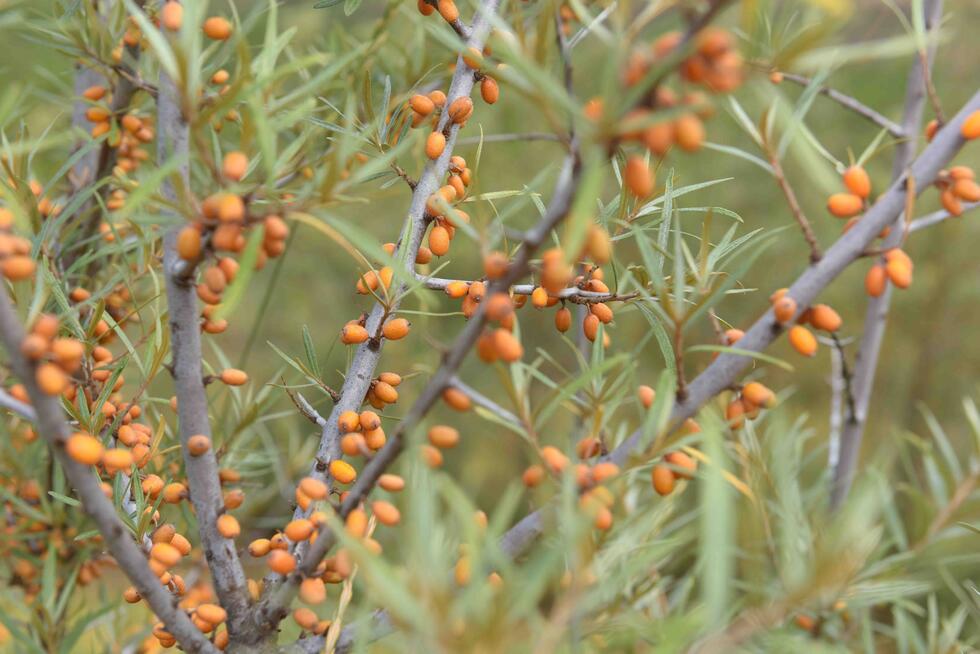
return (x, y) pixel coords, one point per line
(333, 570)
(748, 403)
(957, 185)
(446, 8)
(16, 263)
(56, 533)
(171, 18)
(444, 222)
(818, 316)
(851, 203)
(715, 64)
(222, 227)
(895, 267)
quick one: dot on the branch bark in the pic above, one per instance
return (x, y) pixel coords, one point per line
(876, 314)
(52, 426)
(192, 403)
(846, 101)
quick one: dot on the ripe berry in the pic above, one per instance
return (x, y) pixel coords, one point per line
(970, 129)
(217, 28)
(802, 340)
(434, 145)
(825, 318)
(84, 449)
(198, 444)
(443, 436)
(234, 377)
(874, 281)
(857, 181)
(396, 329)
(342, 472)
(845, 205)
(784, 309)
(638, 178)
(235, 165)
(663, 479)
(228, 526)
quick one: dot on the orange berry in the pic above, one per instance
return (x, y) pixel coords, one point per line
(51, 379)
(899, 271)
(228, 526)
(758, 395)
(647, 395)
(259, 547)
(174, 492)
(802, 340)
(198, 444)
(421, 104)
(211, 613)
(554, 458)
(591, 327)
(281, 561)
(84, 449)
(312, 590)
(874, 281)
(967, 190)
(684, 466)
(970, 129)
(784, 309)
(825, 318)
(391, 482)
(443, 436)
(231, 208)
(189, 243)
(166, 554)
(563, 319)
(172, 15)
(663, 479)
(298, 530)
(638, 178)
(845, 205)
(234, 377)
(18, 267)
(353, 334)
(217, 28)
(447, 9)
(857, 181)
(435, 144)
(342, 472)
(533, 476)
(489, 90)
(396, 329)
(460, 109)
(386, 513)
(508, 348)
(439, 240)
(689, 132)
(349, 421)
(94, 93)
(235, 165)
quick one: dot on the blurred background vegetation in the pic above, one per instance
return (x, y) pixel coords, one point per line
(929, 360)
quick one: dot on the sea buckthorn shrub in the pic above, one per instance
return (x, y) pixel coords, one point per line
(488, 326)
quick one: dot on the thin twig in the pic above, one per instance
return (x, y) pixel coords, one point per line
(11, 403)
(503, 138)
(794, 205)
(572, 294)
(937, 217)
(852, 104)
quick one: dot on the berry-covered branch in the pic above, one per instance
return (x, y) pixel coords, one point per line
(76, 453)
(216, 528)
